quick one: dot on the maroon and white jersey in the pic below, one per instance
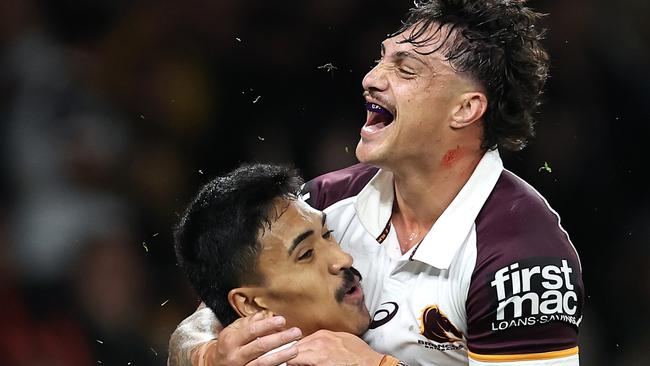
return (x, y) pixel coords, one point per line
(495, 281)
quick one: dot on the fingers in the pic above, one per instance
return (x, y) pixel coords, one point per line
(243, 341)
(311, 349)
(327, 348)
(270, 342)
(276, 358)
(246, 330)
(321, 334)
(305, 357)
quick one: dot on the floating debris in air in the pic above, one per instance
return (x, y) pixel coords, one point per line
(546, 167)
(257, 99)
(329, 67)
(144, 245)
(164, 302)
(260, 138)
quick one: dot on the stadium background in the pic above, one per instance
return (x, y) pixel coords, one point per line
(113, 113)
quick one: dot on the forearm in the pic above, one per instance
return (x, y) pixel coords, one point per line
(389, 360)
(190, 335)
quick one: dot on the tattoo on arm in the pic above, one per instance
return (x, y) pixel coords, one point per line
(190, 335)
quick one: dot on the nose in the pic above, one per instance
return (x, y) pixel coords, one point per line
(339, 261)
(375, 79)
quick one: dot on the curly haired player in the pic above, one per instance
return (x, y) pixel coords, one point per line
(463, 262)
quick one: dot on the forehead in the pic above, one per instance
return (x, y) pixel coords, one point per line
(290, 218)
(427, 41)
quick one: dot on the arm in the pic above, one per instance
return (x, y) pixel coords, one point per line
(192, 333)
(331, 348)
(525, 297)
(244, 342)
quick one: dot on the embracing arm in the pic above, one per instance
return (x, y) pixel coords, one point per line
(326, 348)
(192, 335)
(199, 340)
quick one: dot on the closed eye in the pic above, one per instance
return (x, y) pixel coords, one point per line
(327, 234)
(406, 72)
(306, 255)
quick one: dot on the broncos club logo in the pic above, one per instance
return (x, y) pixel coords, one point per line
(435, 325)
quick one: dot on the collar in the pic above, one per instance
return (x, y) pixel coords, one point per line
(374, 206)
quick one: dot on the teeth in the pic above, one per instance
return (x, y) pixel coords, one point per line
(372, 107)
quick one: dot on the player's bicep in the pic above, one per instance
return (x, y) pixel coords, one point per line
(525, 312)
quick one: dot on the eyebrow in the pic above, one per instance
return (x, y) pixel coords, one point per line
(300, 238)
(401, 55)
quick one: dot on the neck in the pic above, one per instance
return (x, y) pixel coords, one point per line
(423, 192)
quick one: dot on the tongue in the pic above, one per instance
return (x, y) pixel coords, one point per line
(375, 127)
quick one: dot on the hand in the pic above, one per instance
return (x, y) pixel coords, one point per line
(245, 340)
(330, 348)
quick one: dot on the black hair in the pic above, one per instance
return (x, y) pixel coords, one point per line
(216, 239)
(497, 43)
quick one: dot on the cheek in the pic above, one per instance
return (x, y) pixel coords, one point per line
(302, 284)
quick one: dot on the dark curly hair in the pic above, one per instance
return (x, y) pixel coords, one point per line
(496, 42)
(216, 239)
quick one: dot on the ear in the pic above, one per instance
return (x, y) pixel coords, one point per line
(471, 109)
(246, 301)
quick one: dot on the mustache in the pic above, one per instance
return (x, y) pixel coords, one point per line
(348, 281)
(376, 96)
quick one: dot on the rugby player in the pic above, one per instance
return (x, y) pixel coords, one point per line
(249, 246)
(463, 262)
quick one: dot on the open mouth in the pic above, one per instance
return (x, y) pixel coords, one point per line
(353, 289)
(378, 117)
(350, 291)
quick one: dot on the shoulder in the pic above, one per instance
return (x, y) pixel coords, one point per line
(516, 220)
(526, 292)
(327, 189)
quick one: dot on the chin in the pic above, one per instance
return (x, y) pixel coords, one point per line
(361, 323)
(355, 322)
(363, 327)
(368, 154)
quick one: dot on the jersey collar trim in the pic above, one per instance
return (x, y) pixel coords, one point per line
(375, 202)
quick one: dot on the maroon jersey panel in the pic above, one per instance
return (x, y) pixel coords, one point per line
(327, 189)
(526, 293)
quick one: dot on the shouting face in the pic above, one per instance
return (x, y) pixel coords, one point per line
(414, 100)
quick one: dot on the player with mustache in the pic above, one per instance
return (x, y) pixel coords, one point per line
(464, 263)
(251, 248)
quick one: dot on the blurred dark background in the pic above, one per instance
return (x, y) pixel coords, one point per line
(114, 112)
